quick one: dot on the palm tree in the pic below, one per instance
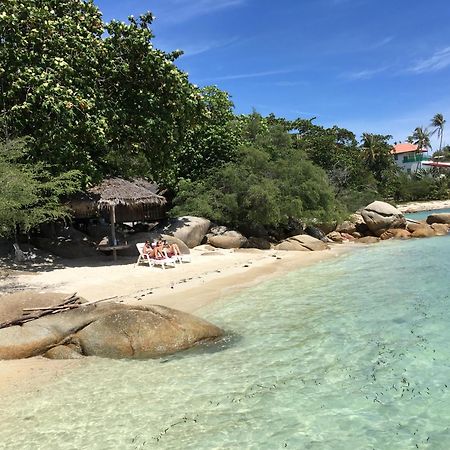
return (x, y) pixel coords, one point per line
(438, 123)
(421, 138)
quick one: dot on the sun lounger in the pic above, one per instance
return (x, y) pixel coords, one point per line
(163, 262)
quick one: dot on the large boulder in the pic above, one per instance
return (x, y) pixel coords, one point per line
(229, 239)
(189, 229)
(302, 242)
(380, 216)
(439, 218)
(109, 330)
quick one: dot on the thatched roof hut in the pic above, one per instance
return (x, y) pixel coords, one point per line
(132, 201)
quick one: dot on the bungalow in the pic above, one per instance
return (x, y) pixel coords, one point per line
(408, 156)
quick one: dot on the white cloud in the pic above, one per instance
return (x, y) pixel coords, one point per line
(364, 74)
(241, 76)
(183, 10)
(438, 61)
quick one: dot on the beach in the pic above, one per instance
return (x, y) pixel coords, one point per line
(211, 274)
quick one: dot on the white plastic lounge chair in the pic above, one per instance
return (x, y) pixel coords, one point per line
(163, 262)
(184, 257)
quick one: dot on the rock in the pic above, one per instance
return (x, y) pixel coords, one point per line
(441, 229)
(148, 333)
(316, 233)
(346, 227)
(413, 225)
(191, 230)
(424, 231)
(302, 242)
(229, 239)
(395, 233)
(122, 331)
(258, 242)
(439, 218)
(357, 235)
(347, 237)
(368, 240)
(335, 236)
(380, 216)
(63, 352)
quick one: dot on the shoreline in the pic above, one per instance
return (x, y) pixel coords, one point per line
(209, 277)
(427, 205)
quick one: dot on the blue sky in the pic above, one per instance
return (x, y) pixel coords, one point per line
(381, 66)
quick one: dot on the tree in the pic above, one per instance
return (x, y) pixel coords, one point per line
(438, 123)
(92, 96)
(377, 156)
(213, 139)
(49, 80)
(30, 195)
(421, 138)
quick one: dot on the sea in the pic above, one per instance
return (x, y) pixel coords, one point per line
(351, 353)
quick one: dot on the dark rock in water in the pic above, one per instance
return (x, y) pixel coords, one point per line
(107, 329)
(439, 218)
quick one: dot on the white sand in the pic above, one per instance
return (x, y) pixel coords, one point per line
(429, 205)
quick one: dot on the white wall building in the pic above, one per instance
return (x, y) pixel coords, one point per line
(408, 157)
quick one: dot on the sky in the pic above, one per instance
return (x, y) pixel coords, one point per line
(377, 66)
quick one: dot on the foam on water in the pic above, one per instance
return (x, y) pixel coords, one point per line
(346, 354)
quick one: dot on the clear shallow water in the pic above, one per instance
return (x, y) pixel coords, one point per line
(422, 215)
(352, 353)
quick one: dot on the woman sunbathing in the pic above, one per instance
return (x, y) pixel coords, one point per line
(171, 249)
(153, 250)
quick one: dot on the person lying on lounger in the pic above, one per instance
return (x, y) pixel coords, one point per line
(153, 250)
(171, 249)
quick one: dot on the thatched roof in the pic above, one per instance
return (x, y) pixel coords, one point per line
(116, 191)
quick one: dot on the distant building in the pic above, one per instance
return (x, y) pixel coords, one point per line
(408, 157)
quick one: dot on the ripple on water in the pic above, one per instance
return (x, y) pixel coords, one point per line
(346, 354)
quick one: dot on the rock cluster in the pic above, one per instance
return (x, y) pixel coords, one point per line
(381, 221)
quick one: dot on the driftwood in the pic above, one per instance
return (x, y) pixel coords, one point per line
(65, 304)
(70, 302)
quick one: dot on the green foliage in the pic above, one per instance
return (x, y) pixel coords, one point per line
(94, 97)
(30, 195)
(420, 186)
(213, 139)
(260, 189)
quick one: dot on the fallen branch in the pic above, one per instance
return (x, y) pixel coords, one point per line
(21, 320)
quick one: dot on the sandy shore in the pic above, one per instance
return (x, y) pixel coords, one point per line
(413, 207)
(187, 287)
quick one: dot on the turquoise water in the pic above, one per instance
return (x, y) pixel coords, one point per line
(348, 354)
(422, 215)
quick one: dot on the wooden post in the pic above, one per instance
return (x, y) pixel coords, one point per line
(113, 229)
